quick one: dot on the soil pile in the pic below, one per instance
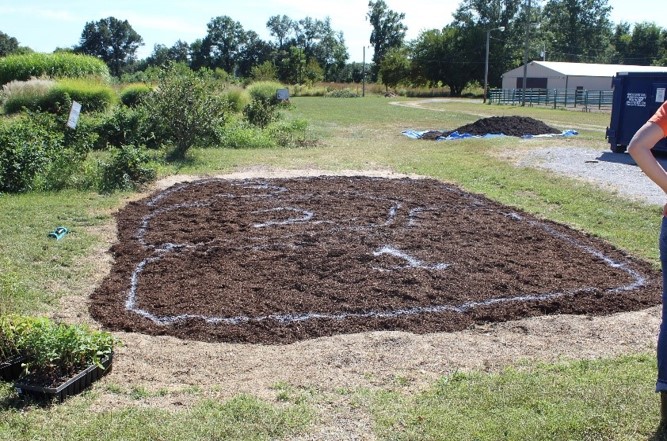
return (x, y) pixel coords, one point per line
(281, 260)
(507, 125)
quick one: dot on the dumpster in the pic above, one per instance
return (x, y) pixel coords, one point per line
(637, 95)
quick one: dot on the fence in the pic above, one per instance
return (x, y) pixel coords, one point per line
(587, 100)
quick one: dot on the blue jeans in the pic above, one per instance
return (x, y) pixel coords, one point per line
(661, 384)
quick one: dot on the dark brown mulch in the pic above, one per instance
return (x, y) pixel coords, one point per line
(281, 260)
(506, 125)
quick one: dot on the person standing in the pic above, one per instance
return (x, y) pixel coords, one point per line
(639, 148)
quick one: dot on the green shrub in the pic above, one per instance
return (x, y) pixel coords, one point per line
(127, 169)
(260, 112)
(342, 93)
(29, 94)
(57, 65)
(289, 133)
(241, 134)
(185, 110)
(28, 146)
(125, 126)
(135, 94)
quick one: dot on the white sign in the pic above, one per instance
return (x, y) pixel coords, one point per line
(74, 115)
(635, 100)
(660, 95)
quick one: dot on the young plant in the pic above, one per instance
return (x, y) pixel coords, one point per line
(56, 351)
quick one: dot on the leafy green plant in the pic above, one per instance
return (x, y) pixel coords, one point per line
(260, 112)
(185, 110)
(290, 133)
(240, 134)
(27, 148)
(56, 350)
(127, 169)
(13, 328)
(125, 126)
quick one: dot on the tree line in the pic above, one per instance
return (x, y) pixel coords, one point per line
(309, 50)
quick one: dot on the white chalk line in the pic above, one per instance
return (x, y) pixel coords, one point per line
(130, 303)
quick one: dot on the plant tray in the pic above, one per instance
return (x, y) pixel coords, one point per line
(71, 387)
(11, 369)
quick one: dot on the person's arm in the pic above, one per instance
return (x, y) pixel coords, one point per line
(640, 149)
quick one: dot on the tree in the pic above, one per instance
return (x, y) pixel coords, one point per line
(223, 43)
(621, 42)
(8, 45)
(253, 52)
(280, 27)
(644, 45)
(330, 51)
(112, 40)
(395, 67)
(440, 57)
(473, 19)
(388, 31)
(581, 30)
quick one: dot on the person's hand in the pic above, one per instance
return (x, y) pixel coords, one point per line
(664, 210)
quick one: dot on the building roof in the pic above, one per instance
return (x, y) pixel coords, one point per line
(595, 70)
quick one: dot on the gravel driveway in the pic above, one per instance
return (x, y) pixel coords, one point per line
(616, 172)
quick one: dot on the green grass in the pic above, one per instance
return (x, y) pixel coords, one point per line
(584, 400)
(240, 418)
(38, 270)
(606, 399)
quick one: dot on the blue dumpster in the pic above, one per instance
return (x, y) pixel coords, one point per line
(637, 95)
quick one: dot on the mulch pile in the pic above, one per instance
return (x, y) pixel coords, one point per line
(280, 260)
(507, 125)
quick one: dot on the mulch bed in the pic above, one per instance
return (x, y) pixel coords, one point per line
(280, 260)
(506, 125)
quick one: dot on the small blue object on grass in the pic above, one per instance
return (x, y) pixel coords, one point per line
(58, 233)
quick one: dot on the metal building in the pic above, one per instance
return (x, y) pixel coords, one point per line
(561, 75)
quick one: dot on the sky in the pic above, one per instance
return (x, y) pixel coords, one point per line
(44, 25)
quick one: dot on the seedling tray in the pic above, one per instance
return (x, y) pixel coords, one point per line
(10, 370)
(71, 387)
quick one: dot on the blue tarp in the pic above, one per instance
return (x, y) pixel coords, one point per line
(417, 134)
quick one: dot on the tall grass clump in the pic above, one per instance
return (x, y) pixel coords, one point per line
(17, 95)
(134, 94)
(264, 91)
(57, 97)
(238, 98)
(58, 65)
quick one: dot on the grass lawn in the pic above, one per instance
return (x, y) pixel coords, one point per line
(609, 399)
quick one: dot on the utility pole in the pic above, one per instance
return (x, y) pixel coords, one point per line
(486, 62)
(525, 56)
(363, 74)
